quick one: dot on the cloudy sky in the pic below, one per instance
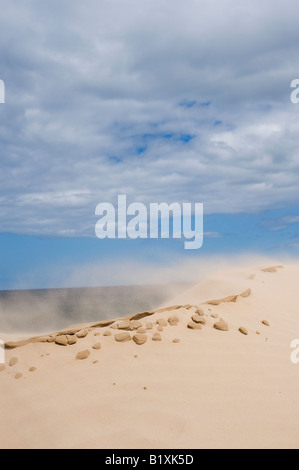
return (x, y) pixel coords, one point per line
(159, 100)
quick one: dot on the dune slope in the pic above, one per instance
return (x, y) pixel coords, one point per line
(211, 370)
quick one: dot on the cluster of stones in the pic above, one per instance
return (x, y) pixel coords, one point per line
(68, 339)
(198, 320)
(133, 329)
(136, 331)
(12, 362)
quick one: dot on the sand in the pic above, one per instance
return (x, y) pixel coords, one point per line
(157, 382)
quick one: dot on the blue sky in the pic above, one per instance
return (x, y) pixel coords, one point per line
(159, 100)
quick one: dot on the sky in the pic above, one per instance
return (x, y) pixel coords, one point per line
(163, 101)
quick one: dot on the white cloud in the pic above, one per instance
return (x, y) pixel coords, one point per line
(95, 97)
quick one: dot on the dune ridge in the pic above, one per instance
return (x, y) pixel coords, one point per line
(74, 330)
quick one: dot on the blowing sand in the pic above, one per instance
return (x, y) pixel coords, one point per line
(210, 370)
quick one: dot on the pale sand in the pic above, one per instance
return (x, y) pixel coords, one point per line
(207, 389)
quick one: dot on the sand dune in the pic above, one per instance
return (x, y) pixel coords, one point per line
(210, 370)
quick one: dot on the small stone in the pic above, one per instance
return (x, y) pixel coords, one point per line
(243, 330)
(141, 330)
(176, 340)
(187, 306)
(97, 346)
(95, 362)
(221, 325)
(199, 311)
(135, 324)
(257, 332)
(61, 340)
(122, 337)
(156, 337)
(214, 302)
(18, 375)
(83, 354)
(97, 333)
(198, 319)
(124, 325)
(144, 388)
(272, 269)
(135, 355)
(32, 369)
(149, 326)
(230, 298)
(139, 338)
(160, 328)
(214, 315)
(13, 361)
(265, 322)
(71, 339)
(51, 339)
(2, 367)
(82, 333)
(194, 326)
(161, 322)
(107, 333)
(246, 293)
(173, 320)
